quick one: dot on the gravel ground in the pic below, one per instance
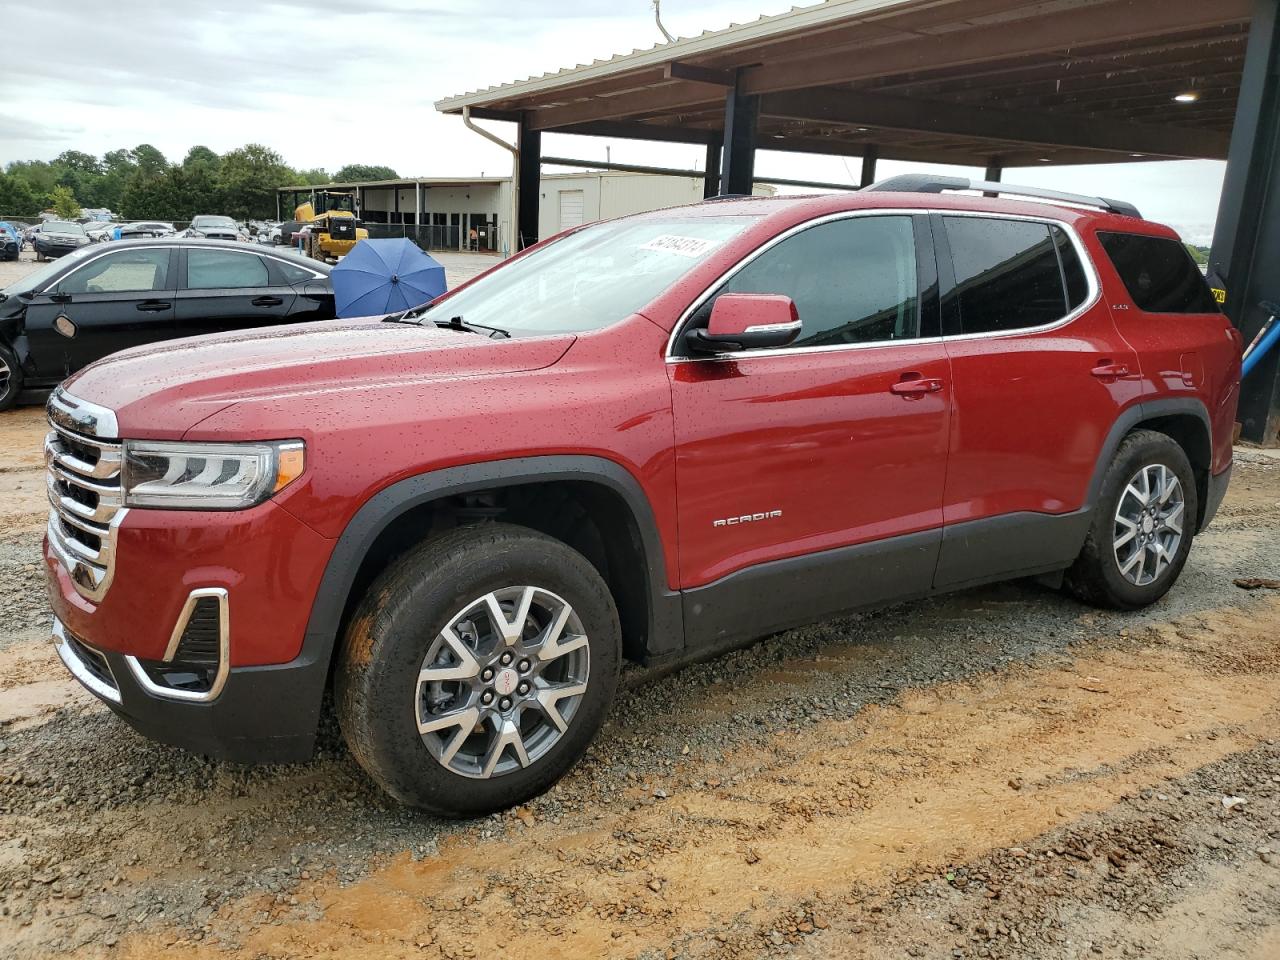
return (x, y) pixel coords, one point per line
(998, 773)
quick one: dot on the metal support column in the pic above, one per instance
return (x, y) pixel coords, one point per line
(869, 157)
(995, 170)
(528, 184)
(1246, 238)
(738, 163)
(711, 176)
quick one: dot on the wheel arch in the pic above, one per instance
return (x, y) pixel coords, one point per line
(403, 513)
(1184, 420)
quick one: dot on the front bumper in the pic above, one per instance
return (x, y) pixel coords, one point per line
(262, 715)
(56, 249)
(264, 566)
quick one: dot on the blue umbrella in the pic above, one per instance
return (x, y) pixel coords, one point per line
(385, 276)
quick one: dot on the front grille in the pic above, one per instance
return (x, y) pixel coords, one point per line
(83, 480)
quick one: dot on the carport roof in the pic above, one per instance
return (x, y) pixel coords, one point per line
(954, 81)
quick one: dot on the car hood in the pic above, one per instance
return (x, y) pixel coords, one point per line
(161, 391)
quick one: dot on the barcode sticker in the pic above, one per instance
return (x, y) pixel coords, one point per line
(691, 247)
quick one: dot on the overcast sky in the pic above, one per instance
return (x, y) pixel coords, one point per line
(330, 82)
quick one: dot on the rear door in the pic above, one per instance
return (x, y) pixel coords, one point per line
(120, 299)
(1040, 375)
(227, 289)
(795, 452)
(1165, 310)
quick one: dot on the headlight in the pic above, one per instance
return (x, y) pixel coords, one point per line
(208, 476)
(82, 241)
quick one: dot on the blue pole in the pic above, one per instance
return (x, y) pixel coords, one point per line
(1260, 350)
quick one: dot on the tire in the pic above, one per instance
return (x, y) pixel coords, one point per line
(1097, 576)
(10, 378)
(398, 630)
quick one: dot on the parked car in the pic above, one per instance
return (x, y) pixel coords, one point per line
(216, 228)
(10, 241)
(104, 298)
(143, 229)
(99, 231)
(57, 238)
(648, 439)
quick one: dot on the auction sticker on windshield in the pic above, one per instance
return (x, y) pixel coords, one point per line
(691, 247)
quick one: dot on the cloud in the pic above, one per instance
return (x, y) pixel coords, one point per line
(330, 82)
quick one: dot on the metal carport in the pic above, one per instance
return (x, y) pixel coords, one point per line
(988, 83)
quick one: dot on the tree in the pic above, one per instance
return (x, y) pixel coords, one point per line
(150, 161)
(201, 156)
(17, 199)
(78, 161)
(248, 178)
(309, 178)
(361, 171)
(1199, 254)
(64, 203)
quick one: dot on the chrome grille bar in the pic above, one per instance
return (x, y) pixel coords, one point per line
(83, 465)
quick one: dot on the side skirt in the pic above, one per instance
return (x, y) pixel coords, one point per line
(775, 596)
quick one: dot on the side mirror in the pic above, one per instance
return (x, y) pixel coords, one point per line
(747, 321)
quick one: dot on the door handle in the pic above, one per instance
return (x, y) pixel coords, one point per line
(267, 301)
(154, 306)
(1106, 370)
(913, 385)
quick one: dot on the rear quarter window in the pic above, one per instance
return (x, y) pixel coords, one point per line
(1159, 273)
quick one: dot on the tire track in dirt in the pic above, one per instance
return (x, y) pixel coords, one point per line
(944, 775)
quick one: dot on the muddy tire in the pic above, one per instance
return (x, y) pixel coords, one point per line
(1142, 527)
(477, 669)
(10, 378)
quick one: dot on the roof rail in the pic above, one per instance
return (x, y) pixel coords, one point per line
(927, 183)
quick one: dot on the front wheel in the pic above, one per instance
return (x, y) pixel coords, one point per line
(477, 669)
(1142, 527)
(10, 378)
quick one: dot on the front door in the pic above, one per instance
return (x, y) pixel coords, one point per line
(226, 289)
(121, 299)
(807, 451)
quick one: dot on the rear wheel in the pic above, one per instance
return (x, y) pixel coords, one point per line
(1143, 525)
(10, 378)
(477, 670)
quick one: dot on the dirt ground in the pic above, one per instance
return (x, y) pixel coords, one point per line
(999, 773)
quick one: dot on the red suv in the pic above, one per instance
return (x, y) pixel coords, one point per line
(649, 439)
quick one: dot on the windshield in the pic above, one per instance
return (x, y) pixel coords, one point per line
(39, 278)
(200, 222)
(590, 279)
(62, 226)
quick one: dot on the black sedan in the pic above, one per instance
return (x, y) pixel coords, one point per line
(57, 238)
(106, 297)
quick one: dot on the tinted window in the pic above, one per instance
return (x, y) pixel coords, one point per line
(123, 272)
(852, 280)
(1158, 273)
(1007, 274)
(294, 273)
(223, 269)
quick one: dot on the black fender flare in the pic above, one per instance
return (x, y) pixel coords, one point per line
(392, 502)
(1134, 416)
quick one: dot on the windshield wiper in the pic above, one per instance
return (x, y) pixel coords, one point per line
(457, 323)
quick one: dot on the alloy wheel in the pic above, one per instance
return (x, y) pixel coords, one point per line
(1148, 524)
(502, 681)
(5, 374)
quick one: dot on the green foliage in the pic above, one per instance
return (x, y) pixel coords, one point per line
(362, 171)
(17, 199)
(249, 177)
(1198, 254)
(311, 178)
(141, 184)
(64, 203)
